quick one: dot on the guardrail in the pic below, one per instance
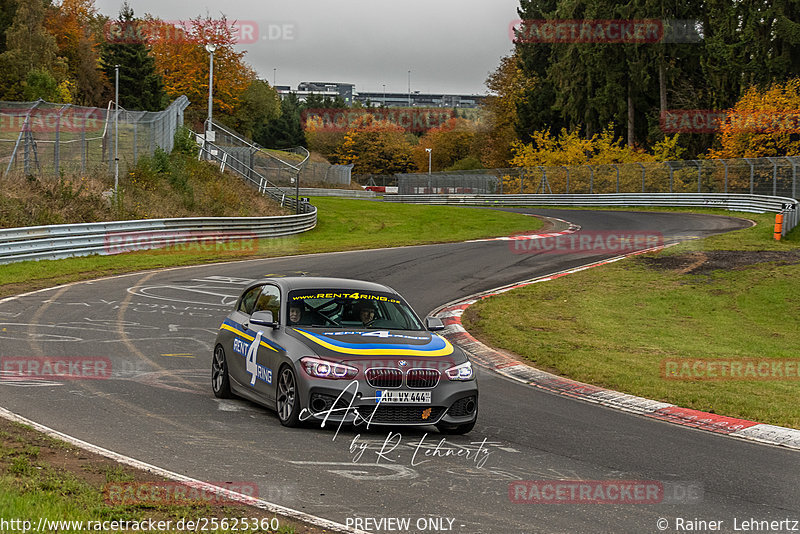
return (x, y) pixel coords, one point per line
(70, 240)
(728, 201)
(344, 193)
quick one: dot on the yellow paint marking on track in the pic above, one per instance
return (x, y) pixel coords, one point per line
(180, 355)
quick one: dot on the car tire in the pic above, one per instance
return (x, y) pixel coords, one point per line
(287, 398)
(220, 380)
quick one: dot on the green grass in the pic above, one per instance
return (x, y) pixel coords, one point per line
(62, 497)
(39, 480)
(342, 224)
(613, 326)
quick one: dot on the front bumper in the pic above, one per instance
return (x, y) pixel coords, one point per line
(354, 402)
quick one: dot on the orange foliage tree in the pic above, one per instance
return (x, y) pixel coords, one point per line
(449, 143)
(375, 147)
(74, 24)
(508, 83)
(763, 123)
(183, 63)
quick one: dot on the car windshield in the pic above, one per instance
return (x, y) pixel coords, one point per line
(346, 308)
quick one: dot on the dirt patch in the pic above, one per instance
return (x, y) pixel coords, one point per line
(713, 260)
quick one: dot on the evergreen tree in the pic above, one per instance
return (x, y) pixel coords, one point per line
(140, 86)
(286, 131)
(29, 47)
(7, 10)
(258, 106)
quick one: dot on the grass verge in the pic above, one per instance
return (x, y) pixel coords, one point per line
(50, 479)
(728, 297)
(342, 224)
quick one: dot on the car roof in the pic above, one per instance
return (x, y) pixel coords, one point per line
(320, 282)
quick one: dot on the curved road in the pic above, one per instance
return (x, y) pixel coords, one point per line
(158, 328)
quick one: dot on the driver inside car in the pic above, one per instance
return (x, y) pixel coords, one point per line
(366, 313)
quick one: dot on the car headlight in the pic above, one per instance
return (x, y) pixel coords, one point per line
(330, 370)
(460, 372)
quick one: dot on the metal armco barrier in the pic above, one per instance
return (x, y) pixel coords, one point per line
(343, 193)
(69, 240)
(731, 202)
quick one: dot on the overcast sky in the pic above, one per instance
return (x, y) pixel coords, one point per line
(449, 45)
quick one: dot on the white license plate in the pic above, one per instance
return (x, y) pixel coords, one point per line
(403, 397)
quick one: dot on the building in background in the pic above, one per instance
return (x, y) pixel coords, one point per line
(390, 100)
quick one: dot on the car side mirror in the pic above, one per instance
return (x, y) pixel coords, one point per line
(433, 324)
(263, 318)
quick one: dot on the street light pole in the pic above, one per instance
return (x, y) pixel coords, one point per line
(116, 133)
(409, 88)
(210, 48)
(429, 150)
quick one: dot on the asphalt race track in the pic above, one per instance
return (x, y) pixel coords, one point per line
(158, 328)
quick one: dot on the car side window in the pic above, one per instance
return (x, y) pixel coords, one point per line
(269, 300)
(248, 301)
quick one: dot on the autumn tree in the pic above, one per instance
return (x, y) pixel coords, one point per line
(450, 143)
(74, 24)
(375, 147)
(140, 85)
(507, 85)
(763, 123)
(569, 147)
(183, 62)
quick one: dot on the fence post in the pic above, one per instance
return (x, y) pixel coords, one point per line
(591, 179)
(56, 146)
(699, 176)
(751, 174)
(643, 174)
(725, 164)
(521, 180)
(670, 175)
(774, 177)
(617, 169)
(567, 192)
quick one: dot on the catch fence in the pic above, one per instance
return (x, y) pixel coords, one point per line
(276, 166)
(773, 176)
(42, 138)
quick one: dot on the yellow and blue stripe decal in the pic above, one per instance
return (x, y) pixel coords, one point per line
(231, 327)
(437, 346)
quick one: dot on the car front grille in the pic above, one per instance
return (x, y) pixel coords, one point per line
(422, 378)
(384, 377)
(406, 415)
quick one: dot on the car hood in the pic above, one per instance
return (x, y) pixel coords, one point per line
(347, 344)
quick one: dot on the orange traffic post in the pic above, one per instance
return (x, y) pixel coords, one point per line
(778, 226)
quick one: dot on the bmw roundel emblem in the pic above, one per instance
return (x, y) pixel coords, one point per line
(402, 363)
